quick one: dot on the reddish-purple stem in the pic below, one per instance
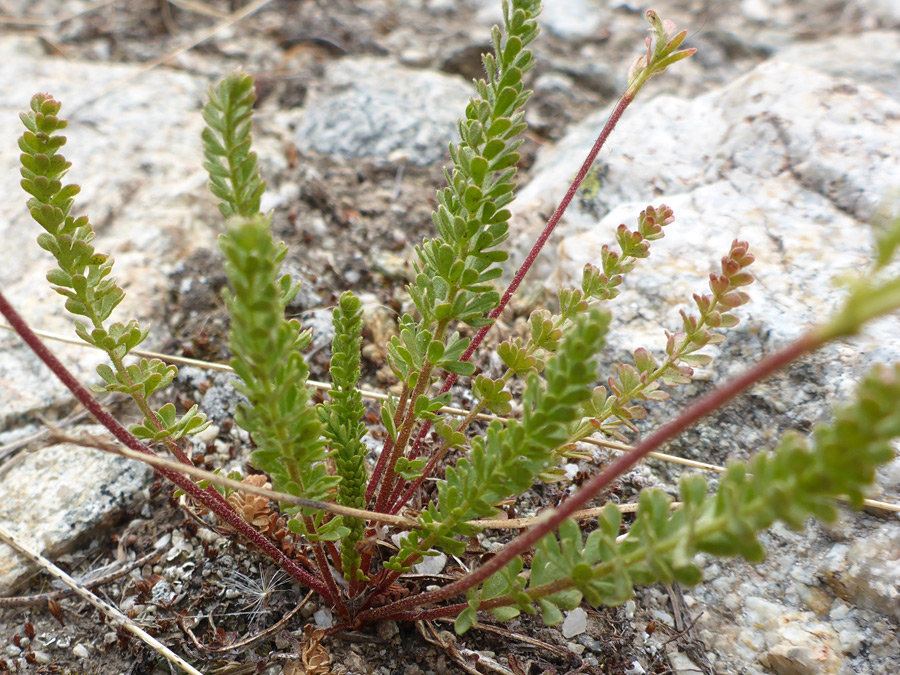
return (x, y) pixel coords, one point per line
(592, 488)
(219, 507)
(450, 379)
(388, 447)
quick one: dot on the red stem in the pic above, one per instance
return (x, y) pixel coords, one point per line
(450, 380)
(592, 488)
(218, 506)
(387, 448)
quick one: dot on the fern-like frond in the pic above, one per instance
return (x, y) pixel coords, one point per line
(233, 172)
(344, 427)
(506, 460)
(799, 480)
(266, 356)
(83, 275)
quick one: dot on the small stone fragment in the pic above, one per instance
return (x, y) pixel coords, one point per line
(431, 564)
(323, 618)
(575, 623)
(387, 629)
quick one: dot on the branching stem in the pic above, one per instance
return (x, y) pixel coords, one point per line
(715, 399)
(451, 378)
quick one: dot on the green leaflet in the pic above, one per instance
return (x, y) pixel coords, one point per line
(83, 276)
(344, 428)
(506, 460)
(457, 269)
(265, 347)
(233, 173)
(798, 480)
(266, 356)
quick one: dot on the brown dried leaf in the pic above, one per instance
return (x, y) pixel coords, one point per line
(314, 658)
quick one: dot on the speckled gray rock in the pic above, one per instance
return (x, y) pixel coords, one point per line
(794, 161)
(790, 160)
(137, 156)
(867, 570)
(221, 399)
(54, 498)
(851, 56)
(573, 19)
(372, 108)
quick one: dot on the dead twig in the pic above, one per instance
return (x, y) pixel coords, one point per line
(231, 19)
(435, 639)
(115, 616)
(198, 8)
(450, 410)
(41, 598)
(107, 445)
(534, 642)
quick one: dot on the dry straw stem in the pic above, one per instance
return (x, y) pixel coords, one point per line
(231, 19)
(359, 513)
(94, 582)
(375, 396)
(108, 445)
(115, 616)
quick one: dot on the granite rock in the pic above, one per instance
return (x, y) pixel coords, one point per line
(139, 189)
(371, 108)
(68, 493)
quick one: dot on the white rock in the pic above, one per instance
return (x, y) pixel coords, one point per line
(573, 19)
(867, 571)
(887, 10)
(431, 564)
(80, 651)
(682, 664)
(323, 617)
(855, 62)
(58, 495)
(756, 10)
(575, 623)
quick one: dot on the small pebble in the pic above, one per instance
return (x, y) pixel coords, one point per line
(41, 657)
(324, 618)
(575, 623)
(387, 629)
(590, 643)
(635, 669)
(629, 610)
(431, 564)
(80, 651)
(12, 650)
(208, 435)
